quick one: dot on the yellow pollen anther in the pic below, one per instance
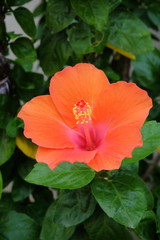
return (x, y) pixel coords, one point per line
(82, 112)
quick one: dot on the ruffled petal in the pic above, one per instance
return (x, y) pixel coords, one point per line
(44, 125)
(118, 144)
(83, 81)
(121, 104)
(53, 157)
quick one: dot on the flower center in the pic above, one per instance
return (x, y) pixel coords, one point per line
(82, 112)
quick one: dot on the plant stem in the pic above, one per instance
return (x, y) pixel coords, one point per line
(151, 167)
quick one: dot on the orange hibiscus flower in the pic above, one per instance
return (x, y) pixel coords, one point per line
(86, 119)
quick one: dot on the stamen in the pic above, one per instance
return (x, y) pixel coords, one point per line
(82, 112)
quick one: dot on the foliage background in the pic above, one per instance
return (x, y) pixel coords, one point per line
(117, 36)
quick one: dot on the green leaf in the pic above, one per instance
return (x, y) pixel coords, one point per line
(39, 9)
(73, 207)
(100, 226)
(1, 184)
(17, 226)
(64, 176)
(43, 198)
(79, 234)
(129, 33)
(131, 168)
(21, 189)
(7, 204)
(5, 102)
(24, 49)
(112, 75)
(7, 146)
(25, 165)
(124, 198)
(25, 19)
(7, 171)
(113, 4)
(27, 66)
(80, 38)
(146, 69)
(31, 86)
(28, 84)
(151, 141)
(92, 12)
(86, 39)
(17, 2)
(55, 50)
(41, 27)
(154, 13)
(59, 15)
(158, 215)
(53, 231)
(146, 229)
(13, 35)
(12, 127)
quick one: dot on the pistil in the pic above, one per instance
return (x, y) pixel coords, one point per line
(82, 112)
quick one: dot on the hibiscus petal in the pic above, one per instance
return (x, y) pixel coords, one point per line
(83, 81)
(44, 125)
(53, 157)
(118, 144)
(122, 103)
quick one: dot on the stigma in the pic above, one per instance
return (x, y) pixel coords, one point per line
(82, 112)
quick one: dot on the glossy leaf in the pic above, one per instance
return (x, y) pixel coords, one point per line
(154, 13)
(24, 49)
(25, 165)
(43, 198)
(12, 127)
(129, 33)
(124, 198)
(132, 168)
(21, 189)
(7, 204)
(92, 12)
(13, 35)
(25, 19)
(28, 84)
(17, 226)
(79, 234)
(146, 229)
(39, 9)
(59, 15)
(151, 140)
(158, 215)
(80, 38)
(53, 231)
(74, 207)
(7, 171)
(1, 184)
(7, 146)
(100, 226)
(114, 4)
(64, 176)
(86, 39)
(55, 50)
(5, 102)
(27, 66)
(146, 69)
(17, 2)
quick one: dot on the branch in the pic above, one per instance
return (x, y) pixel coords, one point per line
(151, 167)
(126, 70)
